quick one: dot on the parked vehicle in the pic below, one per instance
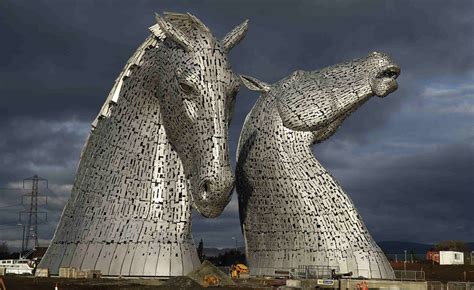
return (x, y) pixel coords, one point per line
(19, 266)
(239, 271)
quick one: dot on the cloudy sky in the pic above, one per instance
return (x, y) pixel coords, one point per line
(406, 160)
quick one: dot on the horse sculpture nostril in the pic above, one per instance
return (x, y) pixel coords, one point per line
(206, 186)
(214, 195)
(216, 187)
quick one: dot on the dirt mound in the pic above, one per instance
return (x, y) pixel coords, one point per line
(209, 275)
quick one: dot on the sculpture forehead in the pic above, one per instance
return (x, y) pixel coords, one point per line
(208, 63)
(378, 60)
(345, 71)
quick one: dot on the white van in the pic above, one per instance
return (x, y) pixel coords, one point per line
(21, 266)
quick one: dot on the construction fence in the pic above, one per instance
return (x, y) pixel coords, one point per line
(436, 285)
(409, 275)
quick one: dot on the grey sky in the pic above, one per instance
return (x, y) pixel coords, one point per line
(407, 160)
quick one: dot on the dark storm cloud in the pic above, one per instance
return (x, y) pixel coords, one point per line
(50, 69)
(221, 231)
(408, 197)
(411, 197)
(47, 148)
(31, 145)
(73, 51)
(58, 61)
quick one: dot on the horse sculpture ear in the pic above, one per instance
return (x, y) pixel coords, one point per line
(173, 33)
(198, 23)
(235, 36)
(254, 84)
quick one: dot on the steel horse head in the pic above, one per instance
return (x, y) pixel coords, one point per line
(196, 89)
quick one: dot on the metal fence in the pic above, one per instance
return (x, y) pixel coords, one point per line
(410, 258)
(435, 285)
(409, 275)
(301, 272)
(272, 272)
(460, 286)
(314, 272)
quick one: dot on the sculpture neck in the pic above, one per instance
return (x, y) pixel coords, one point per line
(348, 100)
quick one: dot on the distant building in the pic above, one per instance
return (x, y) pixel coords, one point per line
(432, 255)
(469, 258)
(451, 258)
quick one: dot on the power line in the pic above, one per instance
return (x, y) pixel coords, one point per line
(10, 205)
(9, 225)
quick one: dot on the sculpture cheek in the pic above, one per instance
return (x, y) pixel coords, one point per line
(152, 84)
(289, 118)
(383, 87)
(191, 110)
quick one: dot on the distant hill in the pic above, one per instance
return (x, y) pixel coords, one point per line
(397, 247)
(214, 252)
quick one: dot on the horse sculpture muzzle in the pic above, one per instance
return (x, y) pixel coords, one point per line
(384, 81)
(214, 181)
(214, 193)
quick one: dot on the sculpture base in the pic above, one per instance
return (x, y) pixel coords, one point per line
(151, 259)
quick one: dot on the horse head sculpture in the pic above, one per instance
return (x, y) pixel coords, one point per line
(196, 89)
(157, 148)
(293, 212)
(311, 100)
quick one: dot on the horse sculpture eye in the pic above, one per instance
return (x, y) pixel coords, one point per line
(187, 89)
